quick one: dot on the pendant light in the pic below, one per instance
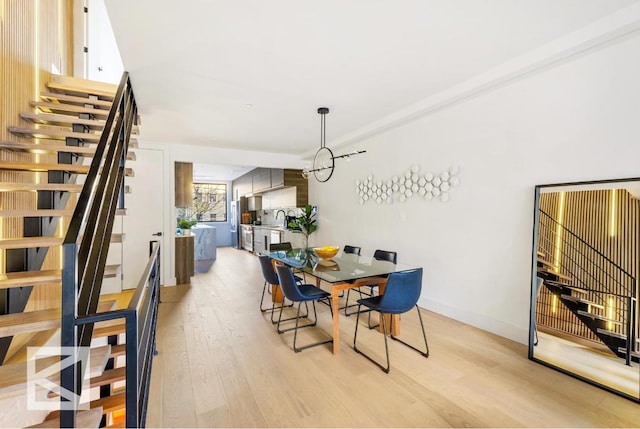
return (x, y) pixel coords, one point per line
(324, 160)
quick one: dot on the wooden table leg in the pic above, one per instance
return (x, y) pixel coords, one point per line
(387, 317)
(336, 320)
(276, 294)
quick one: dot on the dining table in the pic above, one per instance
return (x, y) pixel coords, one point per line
(343, 271)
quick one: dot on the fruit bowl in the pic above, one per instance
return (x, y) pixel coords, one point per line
(326, 252)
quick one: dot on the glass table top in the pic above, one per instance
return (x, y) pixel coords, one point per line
(341, 268)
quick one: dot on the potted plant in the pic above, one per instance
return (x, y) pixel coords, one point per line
(306, 224)
(186, 224)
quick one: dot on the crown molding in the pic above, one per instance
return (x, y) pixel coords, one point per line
(608, 29)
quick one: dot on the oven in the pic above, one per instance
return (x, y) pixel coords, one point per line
(247, 237)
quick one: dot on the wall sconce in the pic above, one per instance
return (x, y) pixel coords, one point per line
(324, 160)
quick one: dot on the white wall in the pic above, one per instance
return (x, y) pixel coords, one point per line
(575, 121)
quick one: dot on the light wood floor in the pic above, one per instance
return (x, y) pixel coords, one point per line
(222, 364)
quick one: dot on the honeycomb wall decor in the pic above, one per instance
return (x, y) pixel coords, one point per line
(413, 184)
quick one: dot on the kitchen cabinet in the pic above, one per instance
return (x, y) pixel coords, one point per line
(184, 258)
(264, 180)
(261, 179)
(277, 177)
(183, 184)
(264, 237)
(255, 204)
(242, 186)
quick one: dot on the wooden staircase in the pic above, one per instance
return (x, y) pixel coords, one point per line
(67, 123)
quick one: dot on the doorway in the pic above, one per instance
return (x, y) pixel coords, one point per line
(145, 214)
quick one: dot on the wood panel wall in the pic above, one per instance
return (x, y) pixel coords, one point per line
(36, 40)
(609, 220)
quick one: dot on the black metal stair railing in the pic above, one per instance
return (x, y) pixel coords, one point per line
(596, 275)
(86, 243)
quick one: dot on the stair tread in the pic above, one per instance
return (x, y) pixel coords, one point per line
(108, 404)
(30, 242)
(36, 213)
(27, 242)
(31, 321)
(581, 300)
(13, 377)
(612, 334)
(48, 212)
(107, 329)
(553, 273)
(73, 109)
(76, 100)
(73, 85)
(29, 187)
(565, 285)
(118, 350)
(624, 351)
(28, 278)
(84, 419)
(62, 120)
(61, 134)
(546, 263)
(597, 316)
(34, 166)
(111, 271)
(40, 167)
(109, 376)
(67, 121)
(47, 147)
(55, 134)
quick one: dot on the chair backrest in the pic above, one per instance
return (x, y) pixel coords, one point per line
(288, 284)
(351, 249)
(386, 255)
(267, 270)
(402, 292)
(280, 246)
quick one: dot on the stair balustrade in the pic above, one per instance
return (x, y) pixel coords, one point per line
(576, 266)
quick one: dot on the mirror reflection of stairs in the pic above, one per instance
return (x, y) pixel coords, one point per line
(606, 304)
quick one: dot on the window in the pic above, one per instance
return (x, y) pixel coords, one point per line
(209, 203)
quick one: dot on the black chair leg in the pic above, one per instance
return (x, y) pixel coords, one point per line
(288, 319)
(386, 345)
(424, 335)
(273, 305)
(295, 334)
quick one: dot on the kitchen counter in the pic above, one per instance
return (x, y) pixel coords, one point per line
(205, 242)
(276, 227)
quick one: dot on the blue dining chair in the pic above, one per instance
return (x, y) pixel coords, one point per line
(374, 282)
(270, 279)
(300, 293)
(400, 296)
(354, 250)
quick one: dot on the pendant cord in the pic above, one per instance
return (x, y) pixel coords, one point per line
(322, 130)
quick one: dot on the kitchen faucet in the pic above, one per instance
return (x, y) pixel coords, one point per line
(285, 217)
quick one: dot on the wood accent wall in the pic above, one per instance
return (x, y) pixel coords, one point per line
(36, 39)
(294, 178)
(589, 215)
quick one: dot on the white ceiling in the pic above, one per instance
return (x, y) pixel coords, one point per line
(250, 74)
